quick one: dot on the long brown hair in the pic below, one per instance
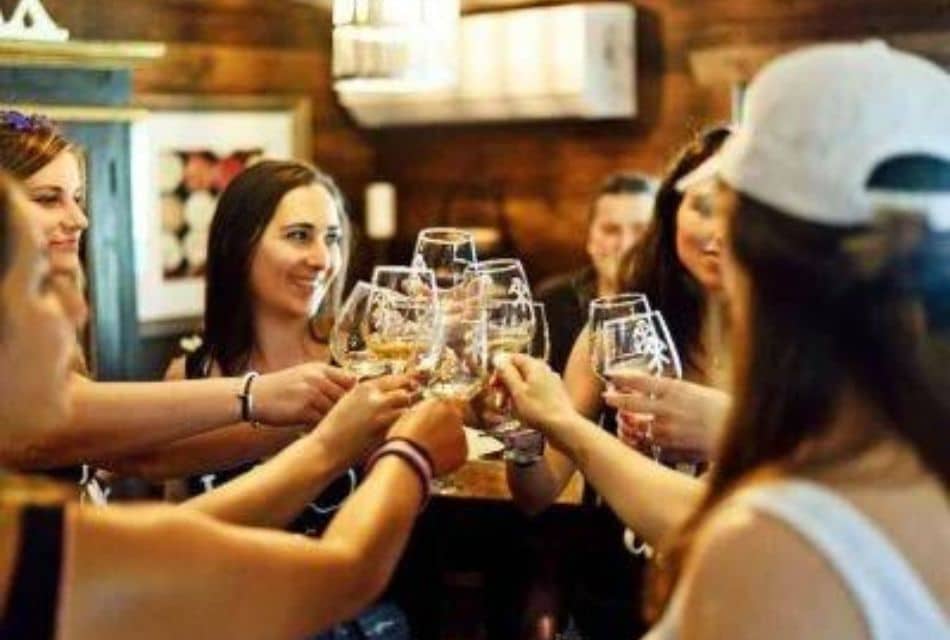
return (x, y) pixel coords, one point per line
(245, 209)
(653, 267)
(830, 309)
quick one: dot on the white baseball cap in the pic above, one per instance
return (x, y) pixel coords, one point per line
(820, 120)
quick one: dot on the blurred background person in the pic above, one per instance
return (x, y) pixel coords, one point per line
(618, 216)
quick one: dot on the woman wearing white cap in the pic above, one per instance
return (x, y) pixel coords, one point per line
(838, 271)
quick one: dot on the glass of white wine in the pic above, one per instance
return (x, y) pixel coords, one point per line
(402, 321)
(460, 369)
(525, 446)
(608, 308)
(348, 340)
(640, 344)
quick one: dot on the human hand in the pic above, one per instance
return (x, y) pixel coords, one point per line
(436, 427)
(491, 407)
(680, 416)
(539, 394)
(299, 395)
(359, 420)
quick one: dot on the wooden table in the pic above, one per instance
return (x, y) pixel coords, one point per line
(485, 480)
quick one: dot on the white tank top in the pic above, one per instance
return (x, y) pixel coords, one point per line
(894, 602)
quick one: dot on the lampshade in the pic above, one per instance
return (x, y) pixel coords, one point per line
(394, 45)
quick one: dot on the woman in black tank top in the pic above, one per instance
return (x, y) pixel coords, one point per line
(276, 261)
(161, 571)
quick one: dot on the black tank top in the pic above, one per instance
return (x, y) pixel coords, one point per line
(316, 516)
(33, 599)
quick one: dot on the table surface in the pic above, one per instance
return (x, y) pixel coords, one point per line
(485, 480)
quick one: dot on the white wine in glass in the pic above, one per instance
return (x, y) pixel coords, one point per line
(461, 368)
(347, 341)
(608, 308)
(640, 344)
(403, 317)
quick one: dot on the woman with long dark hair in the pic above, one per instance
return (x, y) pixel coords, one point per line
(677, 263)
(72, 571)
(836, 255)
(117, 420)
(276, 260)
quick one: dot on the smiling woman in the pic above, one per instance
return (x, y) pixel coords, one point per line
(276, 245)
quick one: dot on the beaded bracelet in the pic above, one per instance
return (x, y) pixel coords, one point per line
(413, 455)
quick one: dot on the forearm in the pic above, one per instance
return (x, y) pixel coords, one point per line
(536, 487)
(114, 419)
(200, 576)
(220, 449)
(649, 498)
(375, 522)
(273, 493)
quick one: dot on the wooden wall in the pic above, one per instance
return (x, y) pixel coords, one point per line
(223, 47)
(546, 171)
(549, 171)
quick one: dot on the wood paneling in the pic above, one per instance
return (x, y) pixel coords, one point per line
(232, 47)
(548, 171)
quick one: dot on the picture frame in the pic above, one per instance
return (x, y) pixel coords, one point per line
(183, 155)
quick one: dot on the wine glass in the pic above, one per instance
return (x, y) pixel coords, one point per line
(525, 446)
(460, 369)
(640, 344)
(348, 340)
(502, 287)
(402, 323)
(448, 252)
(500, 279)
(604, 309)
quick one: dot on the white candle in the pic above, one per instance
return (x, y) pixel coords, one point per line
(380, 210)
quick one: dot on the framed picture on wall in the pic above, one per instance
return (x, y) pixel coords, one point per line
(184, 154)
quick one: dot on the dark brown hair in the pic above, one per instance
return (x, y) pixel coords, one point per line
(653, 267)
(830, 310)
(622, 183)
(245, 209)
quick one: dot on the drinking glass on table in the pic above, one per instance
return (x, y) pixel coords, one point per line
(608, 308)
(348, 336)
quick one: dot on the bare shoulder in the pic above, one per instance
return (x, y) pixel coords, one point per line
(750, 576)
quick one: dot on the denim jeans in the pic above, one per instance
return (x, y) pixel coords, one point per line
(384, 621)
